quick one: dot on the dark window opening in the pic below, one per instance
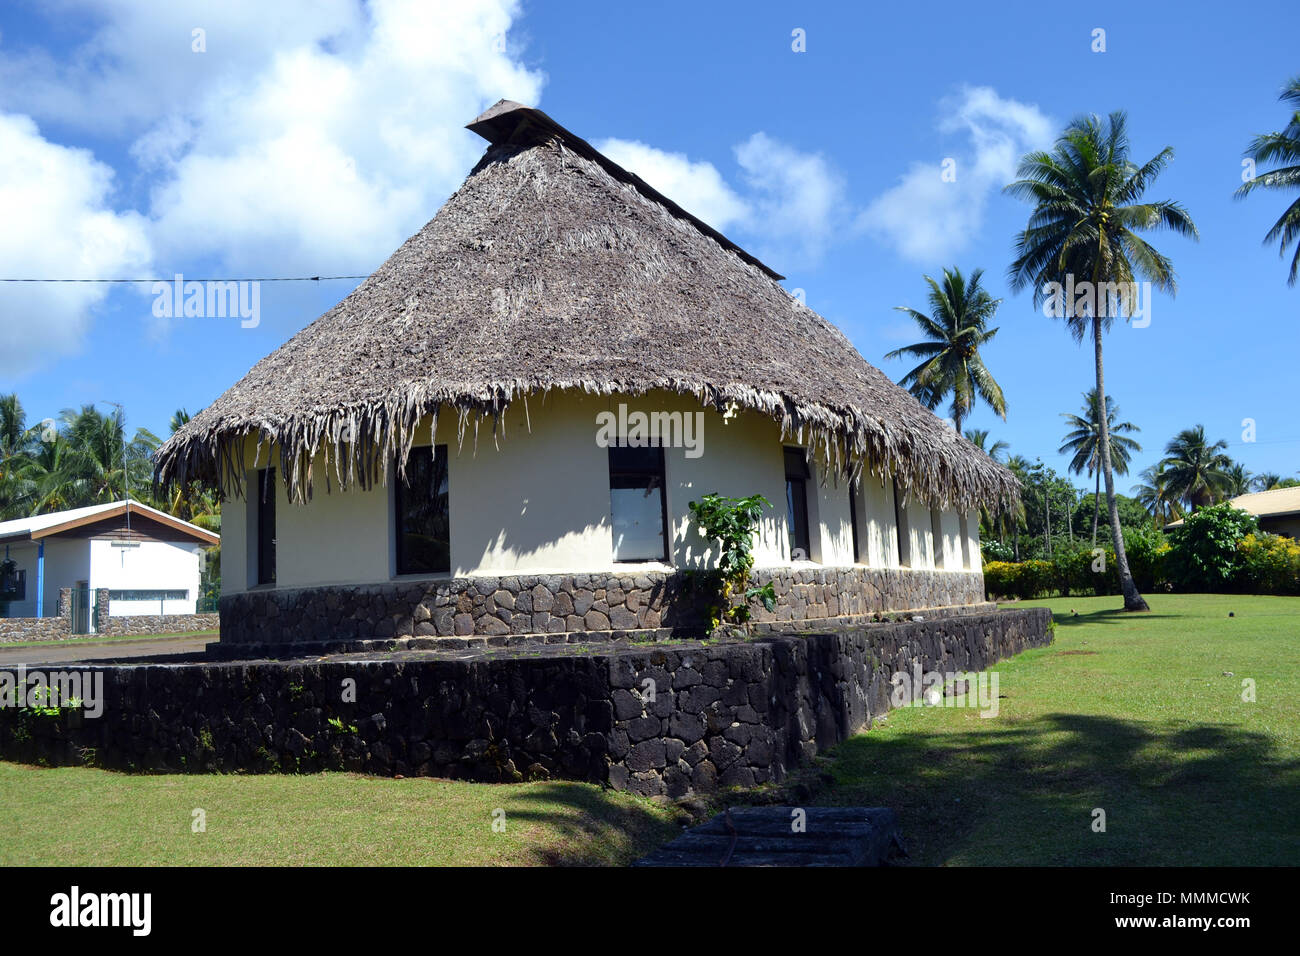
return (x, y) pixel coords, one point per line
(637, 505)
(796, 501)
(13, 582)
(266, 526)
(903, 535)
(423, 514)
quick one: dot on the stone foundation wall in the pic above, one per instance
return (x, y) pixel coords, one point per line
(17, 629)
(555, 604)
(654, 720)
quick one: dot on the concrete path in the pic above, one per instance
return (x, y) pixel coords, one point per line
(169, 650)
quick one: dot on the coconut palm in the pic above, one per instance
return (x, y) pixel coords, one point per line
(1083, 443)
(1265, 482)
(954, 331)
(1153, 494)
(1238, 480)
(1013, 520)
(1085, 223)
(979, 437)
(1196, 469)
(1283, 147)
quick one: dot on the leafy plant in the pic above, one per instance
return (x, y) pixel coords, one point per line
(732, 522)
(1205, 554)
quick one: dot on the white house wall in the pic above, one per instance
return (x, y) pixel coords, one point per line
(537, 501)
(150, 566)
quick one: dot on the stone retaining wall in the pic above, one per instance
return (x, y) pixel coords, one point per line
(554, 604)
(651, 719)
(160, 624)
(16, 629)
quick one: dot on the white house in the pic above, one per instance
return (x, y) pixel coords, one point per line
(501, 430)
(148, 561)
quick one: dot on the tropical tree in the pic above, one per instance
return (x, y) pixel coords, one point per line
(1283, 147)
(1085, 223)
(1012, 520)
(1196, 469)
(1239, 480)
(954, 331)
(1153, 494)
(1265, 482)
(979, 437)
(1083, 443)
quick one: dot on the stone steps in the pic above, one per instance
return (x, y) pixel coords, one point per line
(766, 836)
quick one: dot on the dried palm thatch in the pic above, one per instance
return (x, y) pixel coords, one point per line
(553, 268)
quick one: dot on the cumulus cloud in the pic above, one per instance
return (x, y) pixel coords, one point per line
(788, 203)
(307, 136)
(926, 217)
(55, 203)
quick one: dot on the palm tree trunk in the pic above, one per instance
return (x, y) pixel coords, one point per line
(1096, 506)
(1133, 601)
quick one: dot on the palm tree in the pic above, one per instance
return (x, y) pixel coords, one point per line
(1153, 495)
(1083, 441)
(979, 437)
(1085, 224)
(1017, 517)
(1265, 482)
(1283, 147)
(954, 330)
(1196, 470)
(1239, 480)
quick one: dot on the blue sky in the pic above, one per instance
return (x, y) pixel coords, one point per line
(312, 138)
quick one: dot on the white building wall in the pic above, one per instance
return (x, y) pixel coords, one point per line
(918, 539)
(146, 566)
(537, 501)
(974, 561)
(948, 546)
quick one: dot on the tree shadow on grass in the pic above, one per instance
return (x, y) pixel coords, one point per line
(1107, 616)
(1026, 793)
(598, 827)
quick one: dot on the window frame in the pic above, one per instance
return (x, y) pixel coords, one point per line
(628, 474)
(266, 493)
(797, 522)
(400, 489)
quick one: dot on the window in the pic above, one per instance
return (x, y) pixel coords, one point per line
(265, 504)
(423, 514)
(13, 582)
(796, 501)
(142, 595)
(637, 505)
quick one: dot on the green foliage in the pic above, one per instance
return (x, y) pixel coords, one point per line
(1205, 555)
(341, 728)
(732, 522)
(1268, 564)
(1022, 581)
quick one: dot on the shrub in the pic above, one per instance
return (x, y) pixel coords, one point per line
(1204, 555)
(1268, 564)
(1025, 580)
(997, 551)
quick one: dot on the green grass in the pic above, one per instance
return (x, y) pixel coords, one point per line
(1132, 714)
(84, 817)
(107, 639)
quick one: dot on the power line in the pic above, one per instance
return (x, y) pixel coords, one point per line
(183, 279)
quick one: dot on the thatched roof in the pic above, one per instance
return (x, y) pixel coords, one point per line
(554, 268)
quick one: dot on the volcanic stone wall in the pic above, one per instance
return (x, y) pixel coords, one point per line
(555, 604)
(653, 719)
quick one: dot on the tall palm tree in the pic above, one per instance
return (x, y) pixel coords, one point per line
(954, 331)
(1196, 470)
(1085, 225)
(979, 437)
(1153, 494)
(1016, 518)
(1283, 147)
(1238, 480)
(1083, 442)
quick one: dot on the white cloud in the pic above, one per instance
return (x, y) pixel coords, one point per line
(55, 204)
(928, 220)
(697, 187)
(789, 206)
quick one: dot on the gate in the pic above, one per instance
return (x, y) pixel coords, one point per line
(83, 611)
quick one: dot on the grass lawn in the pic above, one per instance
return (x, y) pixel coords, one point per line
(108, 639)
(1132, 714)
(83, 817)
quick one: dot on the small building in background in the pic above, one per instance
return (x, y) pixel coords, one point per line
(149, 562)
(1278, 510)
